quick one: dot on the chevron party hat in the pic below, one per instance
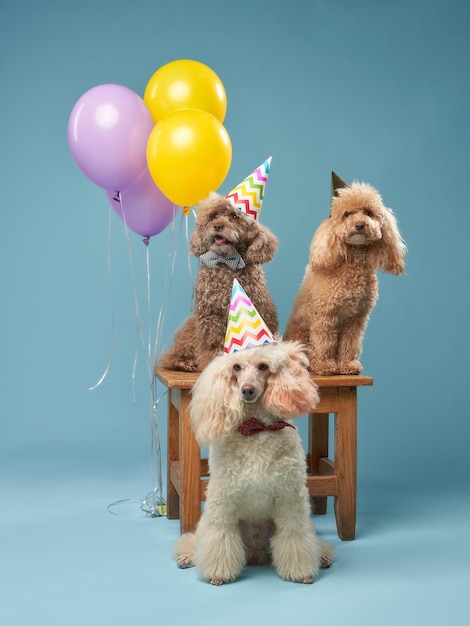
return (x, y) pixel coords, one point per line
(249, 194)
(245, 328)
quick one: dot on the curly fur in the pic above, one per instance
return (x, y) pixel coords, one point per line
(340, 286)
(257, 505)
(225, 230)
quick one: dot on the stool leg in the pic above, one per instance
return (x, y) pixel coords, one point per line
(173, 500)
(345, 463)
(317, 449)
(190, 469)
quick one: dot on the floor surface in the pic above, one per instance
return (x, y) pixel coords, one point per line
(65, 559)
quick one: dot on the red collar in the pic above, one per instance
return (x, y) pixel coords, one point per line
(252, 426)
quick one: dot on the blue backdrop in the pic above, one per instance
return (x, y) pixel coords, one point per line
(376, 90)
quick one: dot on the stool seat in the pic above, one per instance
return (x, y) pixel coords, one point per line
(187, 472)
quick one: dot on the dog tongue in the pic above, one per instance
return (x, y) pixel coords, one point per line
(219, 240)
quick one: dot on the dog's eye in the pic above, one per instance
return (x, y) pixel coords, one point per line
(214, 216)
(346, 213)
(368, 213)
(263, 367)
(237, 367)
(234, 216)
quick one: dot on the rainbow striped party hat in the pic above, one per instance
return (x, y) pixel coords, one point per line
(245, 328)
(248, 195)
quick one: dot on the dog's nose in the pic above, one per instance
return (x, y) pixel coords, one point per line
(218, 227)
(248, 392)
(359, 226)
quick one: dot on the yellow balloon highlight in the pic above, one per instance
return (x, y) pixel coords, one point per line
(189, 154)
(185, 84)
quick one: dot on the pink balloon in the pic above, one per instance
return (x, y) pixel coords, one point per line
(108, 130)
(146, 210)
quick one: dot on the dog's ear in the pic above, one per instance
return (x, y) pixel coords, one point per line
(290, 391)
(326, 251)
(392, 249)
(197, 244)
(215, 407)
(261, 244)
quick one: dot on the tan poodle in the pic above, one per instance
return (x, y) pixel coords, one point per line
(340, 286)
(257, 505)
(230, 245)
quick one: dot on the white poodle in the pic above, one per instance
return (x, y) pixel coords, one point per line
(257, 504)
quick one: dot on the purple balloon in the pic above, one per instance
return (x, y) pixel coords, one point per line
(108, 131)
(146, 210)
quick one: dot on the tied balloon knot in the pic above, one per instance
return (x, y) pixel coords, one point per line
(146, 240)
(186, 210)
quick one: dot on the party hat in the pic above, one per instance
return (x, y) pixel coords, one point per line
(246, 328)
(248, 195)
(337, 183)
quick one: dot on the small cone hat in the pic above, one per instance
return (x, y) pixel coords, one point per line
(248, 196)
(337, 183)
(245, 328)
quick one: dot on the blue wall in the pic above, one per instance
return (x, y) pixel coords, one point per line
(378, 91)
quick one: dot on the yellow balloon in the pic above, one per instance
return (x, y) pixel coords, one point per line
(189, 153)
(185, 84)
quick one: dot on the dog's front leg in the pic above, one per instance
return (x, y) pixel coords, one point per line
(350, 346)
(296, 550)
(323, 344)
(210, 334)
(219, 552)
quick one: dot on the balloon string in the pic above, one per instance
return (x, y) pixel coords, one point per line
(111, 350)
(169, 274)
(166, 291)
(154, 503)
(136, 301)
(105, 373)
(149, 306)
(188, 258)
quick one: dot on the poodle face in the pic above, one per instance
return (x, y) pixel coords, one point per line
(251, 379)
(222, 228)
(359, 226)
(358, 222)
(269, 381)
(357, 215)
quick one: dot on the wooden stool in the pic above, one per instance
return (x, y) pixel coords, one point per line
(188, 474)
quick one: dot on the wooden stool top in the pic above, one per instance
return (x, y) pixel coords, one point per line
(174, 379)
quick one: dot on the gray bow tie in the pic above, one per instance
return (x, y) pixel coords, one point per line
(234, 261)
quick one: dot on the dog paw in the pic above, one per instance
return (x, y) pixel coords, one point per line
(291, 577)
(184, 561)
(216, 581)
(307, 580)
(326, 561)
(350, 367)
(324, 368)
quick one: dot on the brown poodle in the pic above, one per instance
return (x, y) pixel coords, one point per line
(340, 286)
(229, 244)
